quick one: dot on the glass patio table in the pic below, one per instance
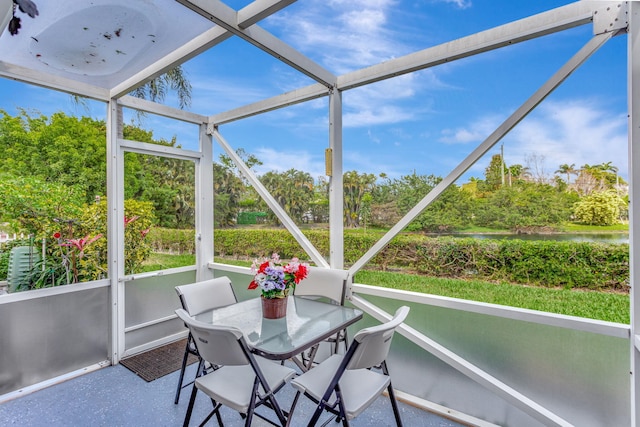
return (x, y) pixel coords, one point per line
(307, 323)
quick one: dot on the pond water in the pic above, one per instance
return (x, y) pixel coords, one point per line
(562, 237)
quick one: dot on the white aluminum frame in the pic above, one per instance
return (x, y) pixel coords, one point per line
(609, 19)
(633, 99)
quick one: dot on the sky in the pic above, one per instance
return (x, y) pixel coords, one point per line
(425, 122)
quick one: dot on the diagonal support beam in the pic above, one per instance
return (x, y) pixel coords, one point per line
(204, 41)
(227, 18)
(549, 86)
(307, 246)
(247, 16)
(259, 10)
(297, 96)
(555, 20)
(468, 369)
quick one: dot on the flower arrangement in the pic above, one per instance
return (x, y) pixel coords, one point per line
(275, 278)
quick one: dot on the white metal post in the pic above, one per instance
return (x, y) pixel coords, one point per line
(336, 192)
(204, 207)
(115, 227)
(633, 94)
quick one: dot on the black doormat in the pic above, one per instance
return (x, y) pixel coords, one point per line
(158, 362)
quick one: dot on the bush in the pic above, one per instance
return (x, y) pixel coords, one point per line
(138, 219)
(173, 241)
(542, 263)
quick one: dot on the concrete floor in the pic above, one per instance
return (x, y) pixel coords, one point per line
(114, 396)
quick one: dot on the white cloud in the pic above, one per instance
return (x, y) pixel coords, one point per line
(579, 131)
(385, 102)
(280, 161)
(478, 131)
(343, 35)
(346, 35)
(462, 4)
(378, 116)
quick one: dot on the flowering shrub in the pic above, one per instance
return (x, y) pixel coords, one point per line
(138, 220)
(275, 279)
(73, 259)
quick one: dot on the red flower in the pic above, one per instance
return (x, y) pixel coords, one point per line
(263, 267)
(253, 285)
(301, 273)
(57, 235)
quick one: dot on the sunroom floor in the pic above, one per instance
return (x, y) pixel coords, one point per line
(115, 396)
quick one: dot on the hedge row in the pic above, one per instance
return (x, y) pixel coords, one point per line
(584, 265)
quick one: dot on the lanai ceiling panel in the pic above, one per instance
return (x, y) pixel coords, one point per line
(99, 42)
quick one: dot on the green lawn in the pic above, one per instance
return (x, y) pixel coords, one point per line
(594, 305)
(157, 261)
(582, 228)
(566, 228)
(590, 304)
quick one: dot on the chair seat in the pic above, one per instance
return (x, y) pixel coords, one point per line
(359, 387)
(232, 385)
(196, 298)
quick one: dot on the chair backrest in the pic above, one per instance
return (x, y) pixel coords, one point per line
(373, 343)
(218, 345)
(324, 282)
(202, 296)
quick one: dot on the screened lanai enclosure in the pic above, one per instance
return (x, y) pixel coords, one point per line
(481, 363)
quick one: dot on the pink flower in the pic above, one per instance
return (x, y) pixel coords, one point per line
(143, 233)
(130, 220)
(274, 278)
(82, 243)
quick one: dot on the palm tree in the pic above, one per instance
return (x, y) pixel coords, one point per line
(157, 89)
(608, 172)
(355, 187)
(292, 189)
(587, 181)
(228, 190)
(518, 172)
(567, 170)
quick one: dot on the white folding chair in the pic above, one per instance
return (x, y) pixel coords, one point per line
(345, 385)
(241, 382)
(330, 285)
(196, 298)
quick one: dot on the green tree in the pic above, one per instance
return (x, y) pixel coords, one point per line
(355, 186)
(35, 206)
(319, 206)
(365, 209)
(493, 174)
(228, 189)
(232, 192)
(451, 210)
(602, 208)
(67, 150)
(138, 220)
(156, 90)
(292, 189)
(567, 170)
(525, 207)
